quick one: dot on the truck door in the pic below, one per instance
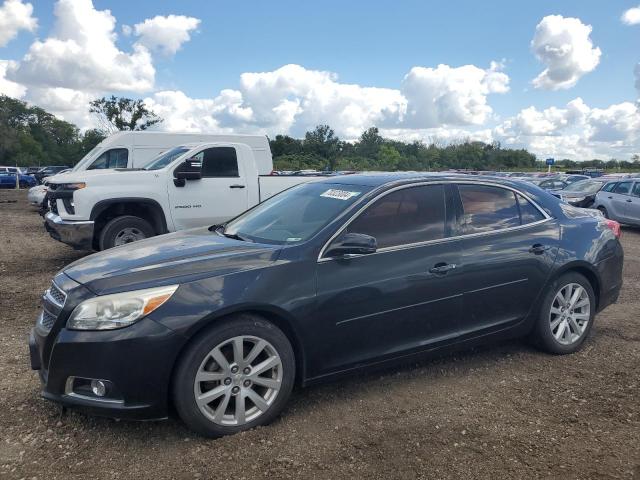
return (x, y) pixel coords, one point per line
(221, 193)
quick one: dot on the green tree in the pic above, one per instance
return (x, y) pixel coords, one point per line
(121, 113)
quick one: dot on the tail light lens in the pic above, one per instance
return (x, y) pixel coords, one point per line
(614, 227)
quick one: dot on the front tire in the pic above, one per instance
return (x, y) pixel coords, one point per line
(566, 315)
(122, 230)
(604, 212)
(235, 376)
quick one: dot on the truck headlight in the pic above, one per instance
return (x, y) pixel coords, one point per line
(119, 310)
(72, 186)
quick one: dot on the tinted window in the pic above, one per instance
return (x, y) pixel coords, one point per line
(528, 213)
(487, 208)
(219, 162)
(409, 215)
(636, 190)
(114, 158)
(609, 187)
(623, 188)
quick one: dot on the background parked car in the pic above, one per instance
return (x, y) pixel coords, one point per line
(549, 183)
(582, 193)
(574, 178)
(620, 201)
(8, 180)
(49, 171)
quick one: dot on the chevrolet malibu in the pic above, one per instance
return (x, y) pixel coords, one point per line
(324, 279)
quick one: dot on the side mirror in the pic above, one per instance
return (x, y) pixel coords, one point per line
(190, 169)
(352, 244)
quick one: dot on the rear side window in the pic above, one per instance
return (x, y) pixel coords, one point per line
(528, 213)
(636, 190)
(219, 162)
(487, 208)
(409, 215)
(623, 188)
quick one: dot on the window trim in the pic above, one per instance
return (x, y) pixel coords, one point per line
(406, 246)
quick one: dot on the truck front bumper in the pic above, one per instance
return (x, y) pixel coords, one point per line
(78, 234)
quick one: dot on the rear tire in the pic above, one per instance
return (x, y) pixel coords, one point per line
(604, 212)
(566, 315)
(123, 230)
(236, 394)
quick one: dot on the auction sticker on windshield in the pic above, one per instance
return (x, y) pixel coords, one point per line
(339, 194)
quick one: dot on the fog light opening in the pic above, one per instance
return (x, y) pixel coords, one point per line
(99, 388)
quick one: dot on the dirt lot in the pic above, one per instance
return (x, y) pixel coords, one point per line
(506, 411)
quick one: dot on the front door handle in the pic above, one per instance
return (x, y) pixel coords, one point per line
(609, 197)
(538, 249)
(236, 186)
(442, 268)
(629, 200)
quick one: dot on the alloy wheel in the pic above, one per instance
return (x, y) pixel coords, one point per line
(570, 313)
(238, 380)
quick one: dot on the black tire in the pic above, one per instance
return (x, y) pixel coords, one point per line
(115, 228)
(184, 396)
(604, 212)
(542, 335)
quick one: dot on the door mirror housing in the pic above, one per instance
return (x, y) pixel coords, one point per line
(190, 169)
(352, 244)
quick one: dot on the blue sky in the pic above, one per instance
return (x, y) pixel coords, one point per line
(375, 44)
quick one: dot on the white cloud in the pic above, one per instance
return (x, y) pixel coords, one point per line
(15, 16)
(165, 34)
(575, 131)
(81, 54)
(8, 87)
(631, 16)
(565, 47)
(451, 96)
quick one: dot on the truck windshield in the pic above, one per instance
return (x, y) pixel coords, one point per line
(295, 215)
(166, 158)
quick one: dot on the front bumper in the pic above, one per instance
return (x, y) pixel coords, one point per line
(78, 234)
(137, 360)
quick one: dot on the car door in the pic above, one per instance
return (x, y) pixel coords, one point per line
(632, 212)
(616, 200)
(402, 298)
(508, 248)
(219, 195)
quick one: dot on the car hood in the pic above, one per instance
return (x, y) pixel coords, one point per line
(571, 194)
(169, 259)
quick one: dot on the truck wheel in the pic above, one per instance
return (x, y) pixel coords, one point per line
(123, 230)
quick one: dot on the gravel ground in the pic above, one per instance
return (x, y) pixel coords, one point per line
(506, 411)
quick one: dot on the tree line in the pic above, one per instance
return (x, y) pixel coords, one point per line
(30, 136)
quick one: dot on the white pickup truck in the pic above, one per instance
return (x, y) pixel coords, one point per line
(187, 186)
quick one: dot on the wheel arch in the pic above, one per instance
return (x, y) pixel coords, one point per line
(277, 316)
(585, 269)
(145, 208)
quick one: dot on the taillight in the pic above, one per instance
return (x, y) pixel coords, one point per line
(614, 226)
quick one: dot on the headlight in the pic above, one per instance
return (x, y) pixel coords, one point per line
(118, 310)
(576, 199)
(72, 186)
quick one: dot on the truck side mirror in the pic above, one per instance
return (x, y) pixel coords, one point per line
(190, 169)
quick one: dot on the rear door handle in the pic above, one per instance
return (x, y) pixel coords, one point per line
(629, 200)
(236, 186)
(538, 249)
(442, 268)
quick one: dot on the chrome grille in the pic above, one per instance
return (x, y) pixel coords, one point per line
(47, 320)
(56, 295)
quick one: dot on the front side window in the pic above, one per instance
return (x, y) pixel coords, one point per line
(166, 158)
(114, 158)
(609, 187)
(406, 216)
(636, 190)
(623, 188)
(218, 162)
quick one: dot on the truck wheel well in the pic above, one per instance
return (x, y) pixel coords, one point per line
(148, 210)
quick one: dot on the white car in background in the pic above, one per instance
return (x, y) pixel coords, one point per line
(37, 194)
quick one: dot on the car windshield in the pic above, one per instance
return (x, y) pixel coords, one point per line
(296, 214)
(584, 186)
(166, 158)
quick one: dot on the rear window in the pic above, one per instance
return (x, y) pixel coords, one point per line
(487, 208)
